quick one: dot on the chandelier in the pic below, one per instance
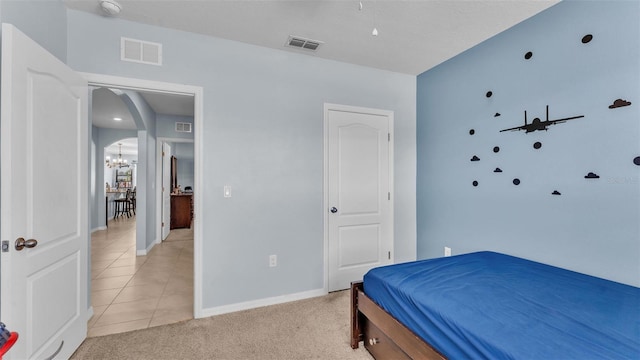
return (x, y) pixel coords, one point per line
(119, 162)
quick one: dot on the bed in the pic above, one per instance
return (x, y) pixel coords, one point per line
(487, 305)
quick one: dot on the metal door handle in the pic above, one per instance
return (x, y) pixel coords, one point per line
(21, 243)
(333, 210)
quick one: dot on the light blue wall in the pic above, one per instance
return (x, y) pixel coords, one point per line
(263, 135)
(145, 194)
(184, 154)
(102, 137)
(184, 151)
(145, 119)
(94, 182)
(593, 227)
(166, 126)
(44, 21)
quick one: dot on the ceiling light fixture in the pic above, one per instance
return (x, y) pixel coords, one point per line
(375, 30)
(375, 13)
(117, 119)
(110, 7)
(119, 162)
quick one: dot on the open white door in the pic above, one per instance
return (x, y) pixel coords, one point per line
(166, 190)
(358, 199)
(44, 170)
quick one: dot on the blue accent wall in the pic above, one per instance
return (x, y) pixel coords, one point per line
(593, 226)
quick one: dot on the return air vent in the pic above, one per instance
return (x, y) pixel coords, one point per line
(302, 43)
(139, 51)
(183, 127)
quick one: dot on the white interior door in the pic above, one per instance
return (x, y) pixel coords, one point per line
(44, 121)
(166, 190)
(360, 217)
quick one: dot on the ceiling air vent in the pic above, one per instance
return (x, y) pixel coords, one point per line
(302, 43)
(139, 51)
(183, 127)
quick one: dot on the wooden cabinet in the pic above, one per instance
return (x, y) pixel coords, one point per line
(181, 211)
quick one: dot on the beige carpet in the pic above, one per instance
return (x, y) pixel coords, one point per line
(315, 328)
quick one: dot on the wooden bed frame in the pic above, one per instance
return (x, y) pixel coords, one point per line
(384, 336)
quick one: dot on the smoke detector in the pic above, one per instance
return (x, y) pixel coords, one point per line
(110, 7)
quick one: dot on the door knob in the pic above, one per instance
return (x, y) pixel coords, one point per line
(334, 210)
(21, 243)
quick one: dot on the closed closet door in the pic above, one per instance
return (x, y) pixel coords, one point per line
(359, 206)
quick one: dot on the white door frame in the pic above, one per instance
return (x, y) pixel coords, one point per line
(178, 89)
(159, 142)
(165, 226)
(325, 202)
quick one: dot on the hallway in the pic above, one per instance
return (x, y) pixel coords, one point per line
(130, 292)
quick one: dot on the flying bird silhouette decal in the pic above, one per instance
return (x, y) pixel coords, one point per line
(538, 124)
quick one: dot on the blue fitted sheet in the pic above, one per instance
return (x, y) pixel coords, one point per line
(495, 306)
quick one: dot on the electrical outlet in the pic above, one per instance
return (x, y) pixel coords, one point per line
(273, 260)
(447, 251)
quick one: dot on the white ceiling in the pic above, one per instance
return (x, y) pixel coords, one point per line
(106, 105)
(173, 104)
(127, 146)
(414, 35)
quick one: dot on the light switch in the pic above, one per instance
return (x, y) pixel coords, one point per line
(227, 191)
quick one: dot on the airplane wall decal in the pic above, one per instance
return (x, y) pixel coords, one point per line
(537, 124)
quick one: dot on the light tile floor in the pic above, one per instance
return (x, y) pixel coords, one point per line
(130, 292)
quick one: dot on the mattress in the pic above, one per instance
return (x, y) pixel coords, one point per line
(495, 306)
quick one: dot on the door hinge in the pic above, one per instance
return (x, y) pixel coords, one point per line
(389, 137)
(163, 153)
(389, 255)
(163, 224)
(389, 196)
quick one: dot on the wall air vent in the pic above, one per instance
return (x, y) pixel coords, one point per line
(183, 127)
(302, 43)
(139, 51)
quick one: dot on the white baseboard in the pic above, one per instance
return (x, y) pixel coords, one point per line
(146, 251)
(98, 229)
(225, 309)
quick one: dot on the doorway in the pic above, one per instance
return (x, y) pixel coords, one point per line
(120, 179)
(151, 243)
(358, 192)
